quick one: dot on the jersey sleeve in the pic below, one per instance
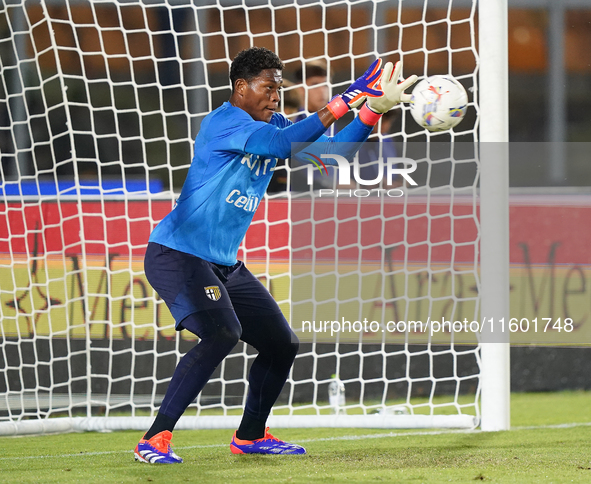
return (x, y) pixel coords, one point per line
(345, 143)
(275, 139)
(281, 137)
(355, 132)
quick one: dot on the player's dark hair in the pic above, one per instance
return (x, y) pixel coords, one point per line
(249, 63)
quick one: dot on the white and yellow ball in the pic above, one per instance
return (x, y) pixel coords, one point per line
(438, 103)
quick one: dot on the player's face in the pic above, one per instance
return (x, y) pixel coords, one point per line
(262, 95)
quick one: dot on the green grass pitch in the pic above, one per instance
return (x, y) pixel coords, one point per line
(550, 441)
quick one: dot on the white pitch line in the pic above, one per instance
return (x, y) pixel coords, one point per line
(389, 434)
(308, 441)
(555, 426)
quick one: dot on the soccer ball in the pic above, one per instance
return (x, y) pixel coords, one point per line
(438, 103)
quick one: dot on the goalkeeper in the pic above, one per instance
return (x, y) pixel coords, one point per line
(191, 256)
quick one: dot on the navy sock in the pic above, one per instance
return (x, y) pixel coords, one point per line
(251, 429)
(162, 423)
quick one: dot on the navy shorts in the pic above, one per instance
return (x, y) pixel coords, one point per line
(189, 284)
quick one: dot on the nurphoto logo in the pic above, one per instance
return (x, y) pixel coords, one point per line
(390, 168)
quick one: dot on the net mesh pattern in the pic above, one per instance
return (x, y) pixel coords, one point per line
(99, 106)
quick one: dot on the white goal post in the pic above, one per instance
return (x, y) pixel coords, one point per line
(99, 104)
(494, 209)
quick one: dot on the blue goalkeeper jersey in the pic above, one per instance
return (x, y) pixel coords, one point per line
(223, 188)
(225, 183)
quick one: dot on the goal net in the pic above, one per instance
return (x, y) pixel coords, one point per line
(99, 104)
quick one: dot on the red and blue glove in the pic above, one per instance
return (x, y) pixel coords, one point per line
(358, 91)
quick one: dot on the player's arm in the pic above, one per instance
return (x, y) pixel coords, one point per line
(270, 140)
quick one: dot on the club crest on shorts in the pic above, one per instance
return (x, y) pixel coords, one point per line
(213, 293)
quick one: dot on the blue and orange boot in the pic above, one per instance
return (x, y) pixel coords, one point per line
(157, 450)
(267, 445)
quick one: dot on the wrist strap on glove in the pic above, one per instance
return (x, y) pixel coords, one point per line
(338, 107)
(368, 116)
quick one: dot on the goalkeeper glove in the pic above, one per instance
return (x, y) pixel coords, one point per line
(357, 92)
(393, 92)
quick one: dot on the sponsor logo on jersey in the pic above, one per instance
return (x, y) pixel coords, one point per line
(248, 204)
(213, 293)
(258, 165)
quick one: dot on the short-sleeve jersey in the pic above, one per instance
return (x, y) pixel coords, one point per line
(223, 189)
